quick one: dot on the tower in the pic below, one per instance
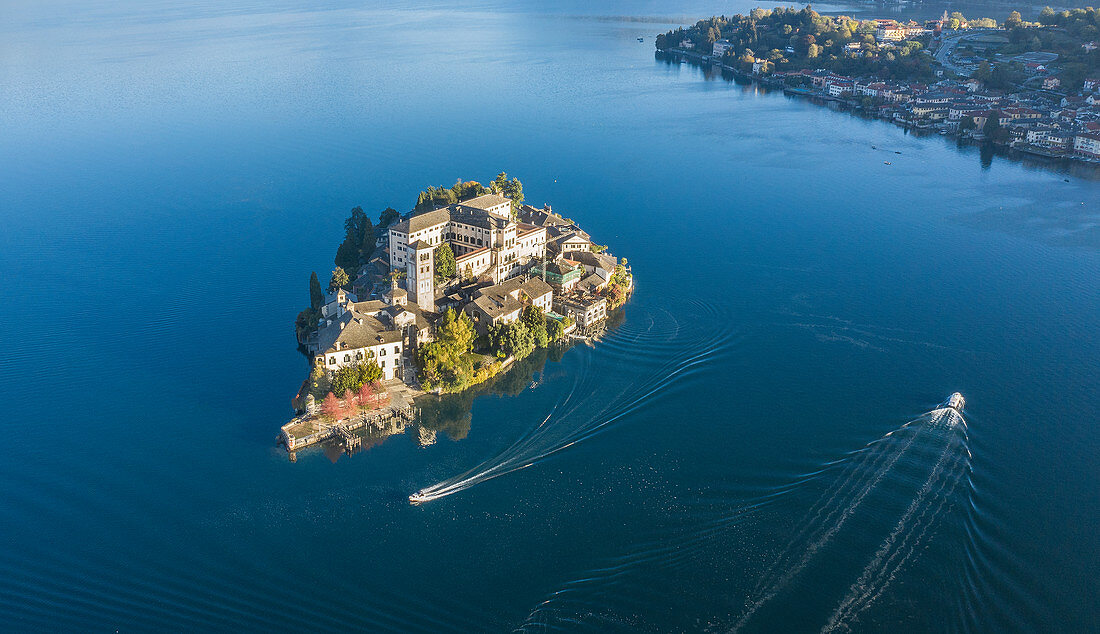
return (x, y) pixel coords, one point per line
(420, 275)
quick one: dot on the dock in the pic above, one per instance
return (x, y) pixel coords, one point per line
(311, 429)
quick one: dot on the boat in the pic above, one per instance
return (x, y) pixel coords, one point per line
(887, 163)
(955, 402)
(418, 498)
(640, 40)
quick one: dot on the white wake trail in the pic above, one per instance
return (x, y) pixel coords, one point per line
(555, 434)
(908, 534)
(822, 529)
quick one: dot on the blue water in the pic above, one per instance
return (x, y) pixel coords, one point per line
(734, 453)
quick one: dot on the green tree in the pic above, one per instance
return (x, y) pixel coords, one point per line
(804, 43)
(514, 339)
(339, 279)
(387, 217)
(358, 242)
(367, 373)
(510, 188)
(306, 322)
(535, 320)
(316, 295)
(344, 379)
(984, 71)
(444, 362)
(1015, 20)
(445, 267)
(347, 256)
(456, 332)
(318, 382)
(554, 329)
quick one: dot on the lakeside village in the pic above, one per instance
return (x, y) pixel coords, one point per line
(440, 299)
(1029, 86)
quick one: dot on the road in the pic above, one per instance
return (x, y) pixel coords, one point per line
(947, 47)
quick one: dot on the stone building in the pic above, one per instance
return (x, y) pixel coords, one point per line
(481, 232)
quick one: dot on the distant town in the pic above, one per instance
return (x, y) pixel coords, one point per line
(1033, 87)
(440, 299)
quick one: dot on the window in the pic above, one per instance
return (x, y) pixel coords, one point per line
(383, 366)
(397, 349)
(332, 360)
(347, 358)
(382, 352)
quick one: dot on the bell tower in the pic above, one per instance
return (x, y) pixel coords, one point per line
(420, 275)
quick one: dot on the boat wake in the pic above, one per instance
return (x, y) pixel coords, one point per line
(941, 432)
(923, 462)
(912, 529)
(671, 351)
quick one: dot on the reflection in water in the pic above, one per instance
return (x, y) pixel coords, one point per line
(664, 353)
(451, 413)
(985, 151)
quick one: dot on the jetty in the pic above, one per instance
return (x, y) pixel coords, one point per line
(310, 429)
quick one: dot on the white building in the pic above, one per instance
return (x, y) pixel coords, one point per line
(352, 332)
(584, 309)
(1087, 144)
(486, 240)
(720, 48)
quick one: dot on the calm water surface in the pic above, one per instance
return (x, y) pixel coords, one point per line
(734, 454)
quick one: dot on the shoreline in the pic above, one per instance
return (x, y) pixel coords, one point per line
(1011, 151)
(307, 430)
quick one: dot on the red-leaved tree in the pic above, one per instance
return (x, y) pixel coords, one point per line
(349, 403)
(331, 407)
(366, 396)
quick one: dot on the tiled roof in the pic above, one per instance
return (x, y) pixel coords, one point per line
(486, 201)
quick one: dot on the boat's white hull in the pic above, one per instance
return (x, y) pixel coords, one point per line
(955, 402)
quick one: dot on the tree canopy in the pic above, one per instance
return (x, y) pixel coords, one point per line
(509, 188)
(316, 295)
(444, 362)
(358, 244)
(387, 217)
(440, 196)
(788, 39)
(445, 266)
(339, 279)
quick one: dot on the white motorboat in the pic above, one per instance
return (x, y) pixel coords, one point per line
(418, 498)
(955, 402)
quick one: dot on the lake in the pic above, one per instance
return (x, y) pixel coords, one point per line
(754, 444)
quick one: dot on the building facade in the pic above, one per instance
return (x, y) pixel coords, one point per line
(481, 232)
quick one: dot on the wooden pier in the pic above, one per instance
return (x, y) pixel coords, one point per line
(310, 430)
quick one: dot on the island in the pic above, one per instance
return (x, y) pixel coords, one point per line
(1022, 87)
(441, 299)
